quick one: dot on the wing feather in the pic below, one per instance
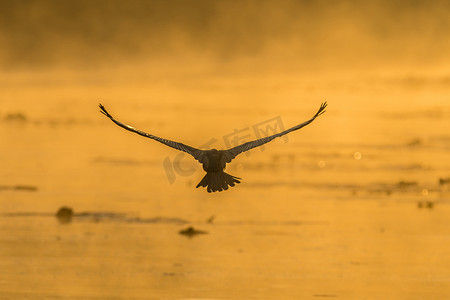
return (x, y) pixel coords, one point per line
(196, 153)
(230, 154)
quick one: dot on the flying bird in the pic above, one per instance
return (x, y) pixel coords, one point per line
(214, 161)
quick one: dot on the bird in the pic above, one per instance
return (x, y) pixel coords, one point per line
(214, 161)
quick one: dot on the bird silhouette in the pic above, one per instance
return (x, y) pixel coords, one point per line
(214, 161)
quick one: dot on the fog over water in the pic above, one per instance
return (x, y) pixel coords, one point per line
(299, 35)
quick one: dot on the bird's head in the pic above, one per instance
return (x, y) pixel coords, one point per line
(213, 151)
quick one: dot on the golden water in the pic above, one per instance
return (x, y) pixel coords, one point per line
(332, 212)
(353, 206)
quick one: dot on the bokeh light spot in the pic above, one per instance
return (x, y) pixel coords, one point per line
(321, 164)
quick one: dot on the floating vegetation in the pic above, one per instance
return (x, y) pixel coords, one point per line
(211, 219)
(64, 215)
(425, 204)
(122, 217)
(191, 232)
(160, 220)
(22, 118)
(29, 188)
(407, 184)
(400, 187)
(19, 187)
(444, 181)
(415, 142)
(15, 117)
(122, 161)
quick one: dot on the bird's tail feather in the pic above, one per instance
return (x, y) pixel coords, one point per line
(218, 181)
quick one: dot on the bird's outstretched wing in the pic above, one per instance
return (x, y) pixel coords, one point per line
(230, 154)
(196, 153)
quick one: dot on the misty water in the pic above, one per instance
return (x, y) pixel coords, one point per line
(355, 205)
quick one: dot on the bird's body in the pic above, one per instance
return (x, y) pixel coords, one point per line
(214, 161)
